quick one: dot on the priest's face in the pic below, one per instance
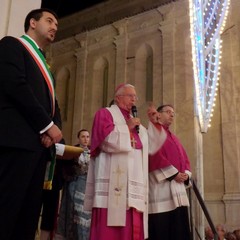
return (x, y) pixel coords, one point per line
(127, 98)
(166, 115)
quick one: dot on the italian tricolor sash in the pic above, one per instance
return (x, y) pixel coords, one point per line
(50, 169)
(41, 62)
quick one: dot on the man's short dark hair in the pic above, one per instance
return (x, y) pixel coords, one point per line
(36, 14)
(160, 108)
(82, 130)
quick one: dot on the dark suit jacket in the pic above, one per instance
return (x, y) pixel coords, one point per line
(25, 106)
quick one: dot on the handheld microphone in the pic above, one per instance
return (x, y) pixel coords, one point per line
(134, 113)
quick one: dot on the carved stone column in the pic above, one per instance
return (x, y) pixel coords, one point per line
(121, 51)
(80, 89)
(168, 38)
(229, 97)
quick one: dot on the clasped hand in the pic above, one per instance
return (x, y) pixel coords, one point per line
(181, 177)
(51, 136)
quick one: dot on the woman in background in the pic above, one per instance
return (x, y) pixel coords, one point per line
(74, 222)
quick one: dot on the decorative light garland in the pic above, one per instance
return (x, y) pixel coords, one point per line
(207, 21)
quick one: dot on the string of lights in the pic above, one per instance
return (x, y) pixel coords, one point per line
(207, 21)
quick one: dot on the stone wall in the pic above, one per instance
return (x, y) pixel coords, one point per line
(153, 48)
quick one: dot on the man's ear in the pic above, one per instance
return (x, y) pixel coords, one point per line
(32, 23)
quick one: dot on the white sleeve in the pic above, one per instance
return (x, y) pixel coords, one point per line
(46, 128)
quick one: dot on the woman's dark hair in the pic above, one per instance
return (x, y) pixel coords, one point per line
(36, 14)
(82, 130)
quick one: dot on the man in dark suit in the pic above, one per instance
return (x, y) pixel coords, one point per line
(27, 127)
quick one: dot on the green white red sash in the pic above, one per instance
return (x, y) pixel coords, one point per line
(50, 169)
(41, 62)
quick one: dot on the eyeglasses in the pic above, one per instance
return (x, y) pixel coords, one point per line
(130, 96)
(169, 112)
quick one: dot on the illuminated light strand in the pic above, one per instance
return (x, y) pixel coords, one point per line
(207, 21)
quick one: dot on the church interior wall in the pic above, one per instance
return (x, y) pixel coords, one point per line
(63, 65)
(117, 52)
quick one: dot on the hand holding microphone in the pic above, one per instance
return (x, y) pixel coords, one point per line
(134, 113)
